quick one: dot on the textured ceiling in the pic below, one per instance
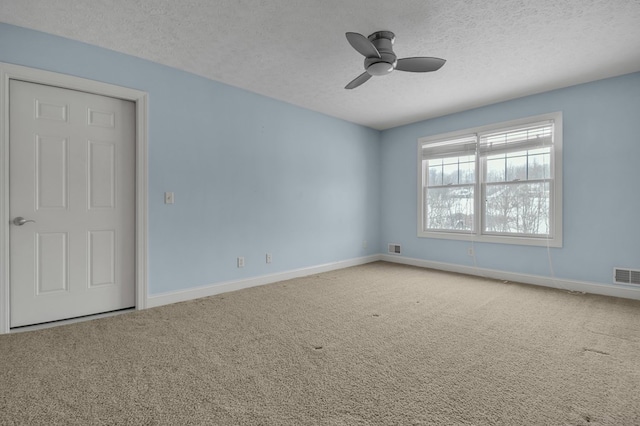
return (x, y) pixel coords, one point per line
(296, 51)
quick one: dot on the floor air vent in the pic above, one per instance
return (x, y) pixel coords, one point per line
(626, 276)
(394, 248)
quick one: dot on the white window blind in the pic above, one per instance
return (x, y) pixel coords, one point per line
(519, 139)
(450, 148)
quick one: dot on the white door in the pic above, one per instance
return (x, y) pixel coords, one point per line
(72, 179)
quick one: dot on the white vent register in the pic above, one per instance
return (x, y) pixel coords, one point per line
(626, 276)
(394, 248)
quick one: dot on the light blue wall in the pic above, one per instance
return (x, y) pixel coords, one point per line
(251, 175)
(601, 171)
(254, 175)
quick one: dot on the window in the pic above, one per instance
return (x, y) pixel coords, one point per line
(499, 183)
(449, 169)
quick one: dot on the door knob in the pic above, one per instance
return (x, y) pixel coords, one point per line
(21, 221)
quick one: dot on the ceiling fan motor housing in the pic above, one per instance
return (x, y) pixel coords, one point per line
(383, 41)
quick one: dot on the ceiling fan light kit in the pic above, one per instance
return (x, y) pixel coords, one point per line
(379, 58)
(380, 68)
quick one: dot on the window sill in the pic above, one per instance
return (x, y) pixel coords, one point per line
(497, 239)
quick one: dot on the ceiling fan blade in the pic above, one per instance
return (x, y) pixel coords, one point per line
(362, 78)
(362, 45)
(420, 64)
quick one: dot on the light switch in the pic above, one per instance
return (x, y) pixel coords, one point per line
(168, 197)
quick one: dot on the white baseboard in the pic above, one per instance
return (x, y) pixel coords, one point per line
(563, 284)
(615, 290)
(223, 287)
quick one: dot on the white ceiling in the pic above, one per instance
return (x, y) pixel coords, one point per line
(296, 51)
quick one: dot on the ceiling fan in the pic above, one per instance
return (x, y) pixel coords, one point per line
(379, 58)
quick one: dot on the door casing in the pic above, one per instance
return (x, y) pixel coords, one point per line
(9, 72)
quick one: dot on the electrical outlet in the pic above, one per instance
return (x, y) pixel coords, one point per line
(470, 251)
(241, 262)
(365, 244)
(168, 198)
(268, 258)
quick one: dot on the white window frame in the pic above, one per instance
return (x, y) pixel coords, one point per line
(555, 236)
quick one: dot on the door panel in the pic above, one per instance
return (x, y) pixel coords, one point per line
(102, 256)
(72, 171)
(51, 172)
(102, 175)
(51, 262)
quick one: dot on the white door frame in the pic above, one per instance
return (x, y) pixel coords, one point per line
(11, 72)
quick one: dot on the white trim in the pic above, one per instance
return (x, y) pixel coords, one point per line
(626, 292)
(142, 208)
(224, 287)
(10, 71)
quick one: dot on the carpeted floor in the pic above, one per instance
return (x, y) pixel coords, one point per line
(379, 344)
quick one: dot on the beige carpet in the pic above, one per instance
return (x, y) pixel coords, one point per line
(378, 344)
